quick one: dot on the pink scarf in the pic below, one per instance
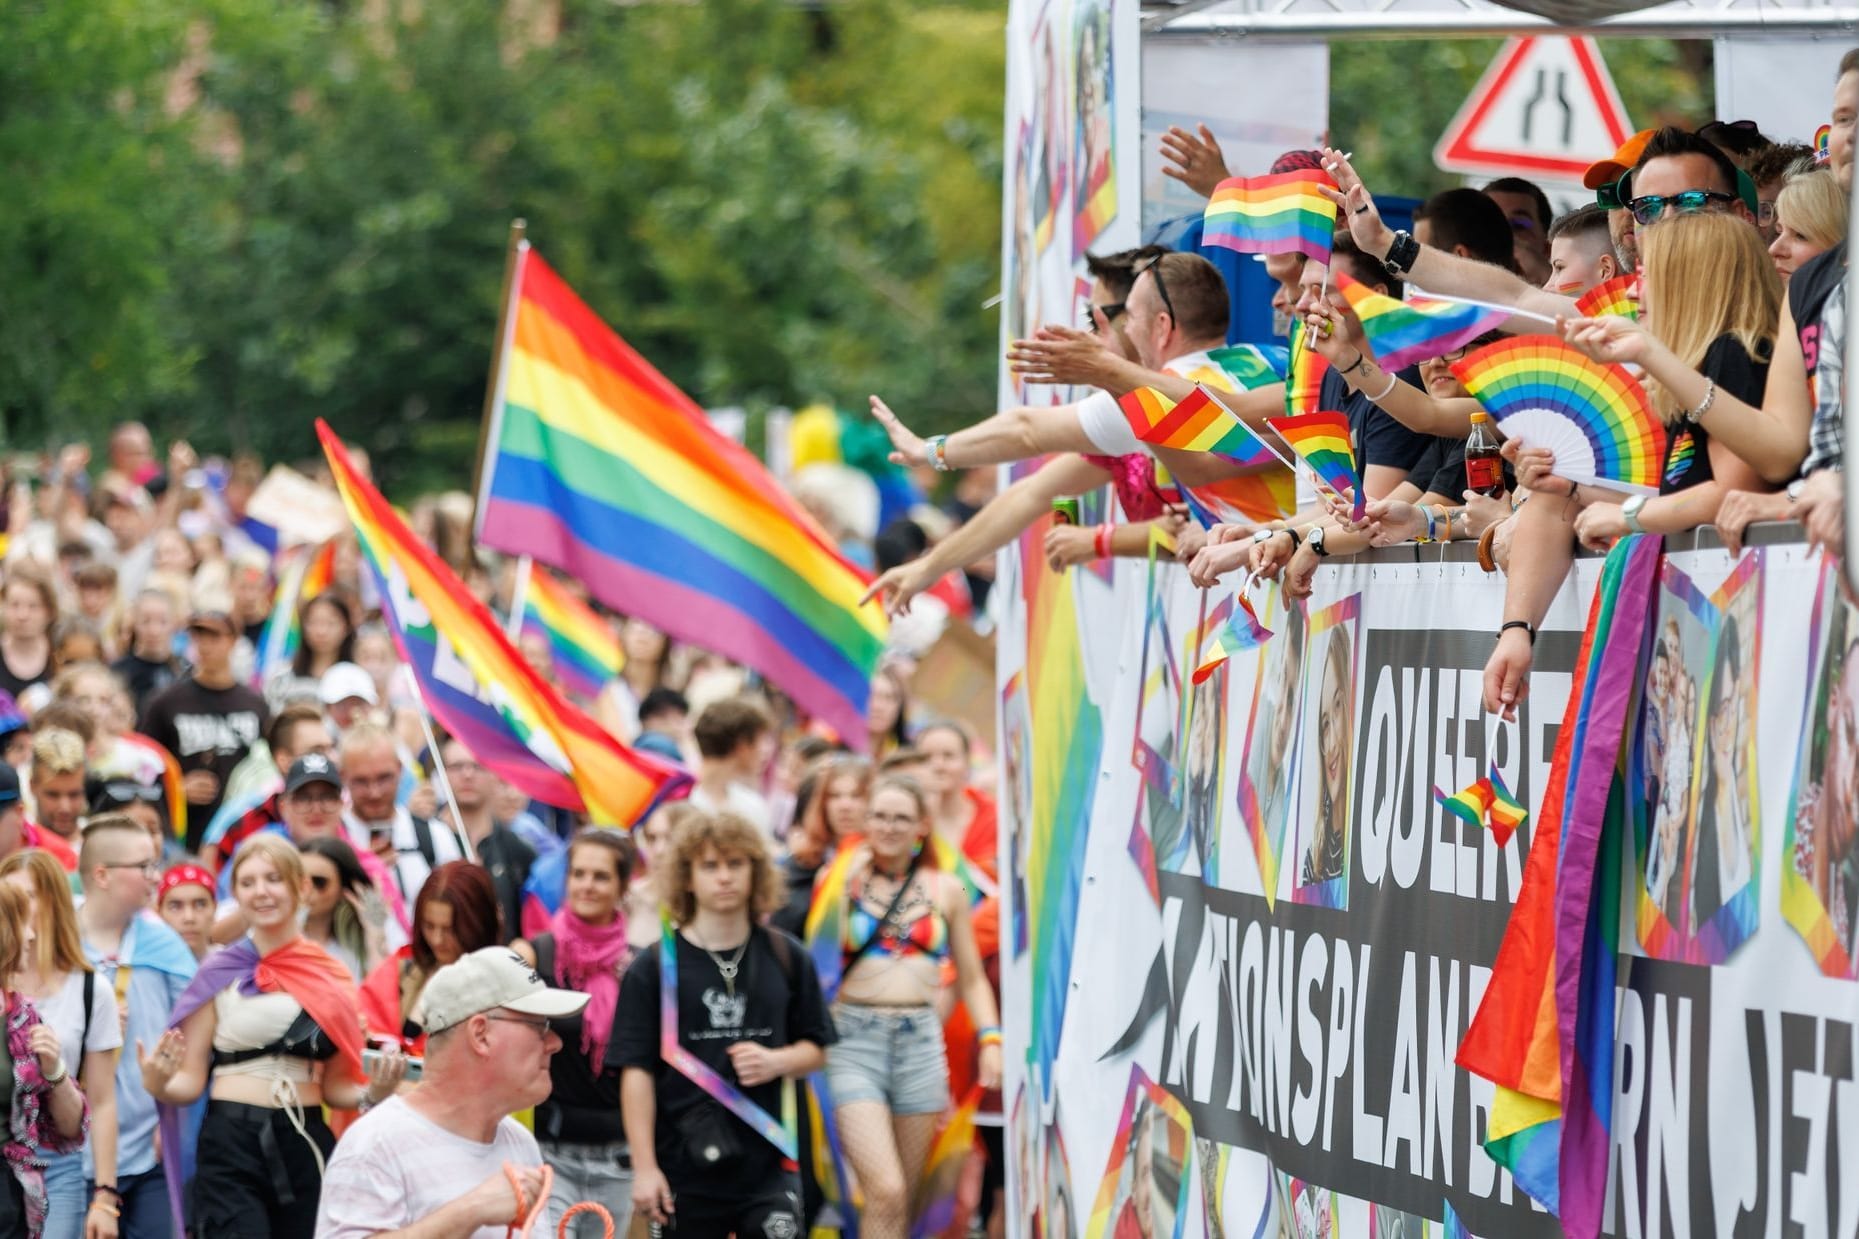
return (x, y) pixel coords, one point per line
(589, 959)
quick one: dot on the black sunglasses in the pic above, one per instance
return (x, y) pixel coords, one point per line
(1111, 311)
(1688, 202)
(1154, 266)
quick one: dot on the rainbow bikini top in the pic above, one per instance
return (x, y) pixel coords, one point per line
(928, 934)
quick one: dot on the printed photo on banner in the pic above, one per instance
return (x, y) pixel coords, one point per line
(1266, 780)
(1094, 188)
(1313, 1211)
(1144, 1191)
(1386, 1223)
(1054, 101)
(1025, 1187)
(1326, 764)
(1727, 867)
(1017, 772)
(1153, 749)
(1213, 1161)
(1057, 1203)
(1020, 285)
(1669, 751)
(1203, 759)
(1820, 885)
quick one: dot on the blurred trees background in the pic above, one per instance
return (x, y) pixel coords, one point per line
(230, 217)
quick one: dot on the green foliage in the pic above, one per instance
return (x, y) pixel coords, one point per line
(1660, 82)
(246, 214)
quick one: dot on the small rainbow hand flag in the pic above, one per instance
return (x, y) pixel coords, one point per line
(1486, 804)
(1401, 333)
(1199, 423)
(1613, 296)
(1280, 214)
(1251, 365)
(1322, 441)
(1241, 632)
(1304, 374)
(938, 1195)
(582, 646)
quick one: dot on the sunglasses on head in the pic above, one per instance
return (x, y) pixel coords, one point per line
(1154, 267)
(1651, 207)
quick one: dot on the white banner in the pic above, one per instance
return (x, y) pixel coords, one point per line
(1188, 1056)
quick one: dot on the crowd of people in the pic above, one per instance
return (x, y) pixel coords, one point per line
(285, 961)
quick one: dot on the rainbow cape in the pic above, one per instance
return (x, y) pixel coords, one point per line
(1401, 333)
(1486, 804)
(1321, 440)
(307, 572)
(595, 464)
(1240, 631)
(478, 687)
(1279, 214)
(583, 648)
(1613, 296)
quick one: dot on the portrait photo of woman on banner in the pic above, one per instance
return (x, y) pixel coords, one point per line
(1266, 780)
(1328, 742)
(1729, 822)
(1820, 890)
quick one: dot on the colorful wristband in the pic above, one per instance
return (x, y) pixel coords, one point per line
(1101, 542)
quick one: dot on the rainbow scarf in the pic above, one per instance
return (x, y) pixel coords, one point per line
(1401, 333)
(582, 647)
(780, 1133)
(1321, 440)
(595, 464)
(484, 693)
(1280, 214)
(307, 574)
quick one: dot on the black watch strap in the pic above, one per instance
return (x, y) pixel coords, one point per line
(1401, 254)
(1528, 628)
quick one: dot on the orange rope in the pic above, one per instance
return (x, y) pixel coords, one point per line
(528, 1213)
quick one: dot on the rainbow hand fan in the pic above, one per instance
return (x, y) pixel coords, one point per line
(1613, 296)
(1594, 417)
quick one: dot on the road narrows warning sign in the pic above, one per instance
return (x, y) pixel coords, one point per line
(1545, 108)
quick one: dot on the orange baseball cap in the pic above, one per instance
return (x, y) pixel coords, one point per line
(1607, 171)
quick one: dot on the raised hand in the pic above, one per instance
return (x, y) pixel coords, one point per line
(1194, 159)
(1062, 355)
(1355, 207)
(896, 588)
(910, 446)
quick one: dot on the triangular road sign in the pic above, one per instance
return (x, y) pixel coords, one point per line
(1545, 108)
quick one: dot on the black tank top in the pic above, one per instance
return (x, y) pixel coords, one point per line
(1808, 290)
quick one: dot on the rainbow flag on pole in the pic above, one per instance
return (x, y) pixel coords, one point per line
(582, 646)
(1304, 374)
(478, 687)
(308, 573)
(1401, 333)
(1197, 424)
(1321, 440)
(1241, 631)
(1279, 214)
(1486, 804)
(595, 464)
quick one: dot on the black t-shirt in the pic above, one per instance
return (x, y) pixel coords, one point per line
(1808, 290)
(1378, 438)
(765, 1010)
(206, 729)
(17, 684)
(583, 1106)
(144, 679)
(1687, 453)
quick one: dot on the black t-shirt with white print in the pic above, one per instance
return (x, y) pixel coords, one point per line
(764, 1010)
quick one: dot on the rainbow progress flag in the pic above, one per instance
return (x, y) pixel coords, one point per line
(1401, 333)
(1197, 424)
(1486, 804)
(475, 683)
(1304, 374)
(595, 464)
(1322, 441)
(1279, 214)
(582, 647)
(1242, 631)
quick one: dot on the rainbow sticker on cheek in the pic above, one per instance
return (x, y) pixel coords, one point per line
(1823, 141)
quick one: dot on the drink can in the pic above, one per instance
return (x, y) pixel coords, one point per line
(1065, 510)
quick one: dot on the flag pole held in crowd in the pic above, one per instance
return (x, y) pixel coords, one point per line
(493, 388)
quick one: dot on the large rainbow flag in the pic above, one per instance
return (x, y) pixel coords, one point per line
(1279, 214)
(308, 572)
(583, 648)
(477, 686)
(597, 465)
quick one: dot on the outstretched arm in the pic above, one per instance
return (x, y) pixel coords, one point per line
(1435, 270)
(1017, 434)
(1004, 517)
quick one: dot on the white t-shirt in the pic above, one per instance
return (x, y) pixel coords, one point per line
(64, 1011)
(1103, 420)
(396, 1166)
(739, 799)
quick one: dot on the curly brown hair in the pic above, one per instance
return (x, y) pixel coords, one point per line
(730, 834)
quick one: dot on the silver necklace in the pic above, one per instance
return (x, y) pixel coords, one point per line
(728, 968)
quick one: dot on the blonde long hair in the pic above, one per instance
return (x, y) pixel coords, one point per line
(58, 948)
(1707, 275)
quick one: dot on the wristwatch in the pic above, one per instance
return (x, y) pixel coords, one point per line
(1315, 539)
(1795, 488)
(1630, 512)
(1401, 255)
(1264, 534)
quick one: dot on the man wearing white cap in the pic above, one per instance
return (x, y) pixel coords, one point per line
(431, 1162)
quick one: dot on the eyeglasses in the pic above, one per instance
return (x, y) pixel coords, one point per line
(1154, 267)
(542, 1029)
(1111, 312)
(148, 869)
(1687, 202)
(1765, 211)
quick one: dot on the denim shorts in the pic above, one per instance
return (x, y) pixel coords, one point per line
(889, 1054)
